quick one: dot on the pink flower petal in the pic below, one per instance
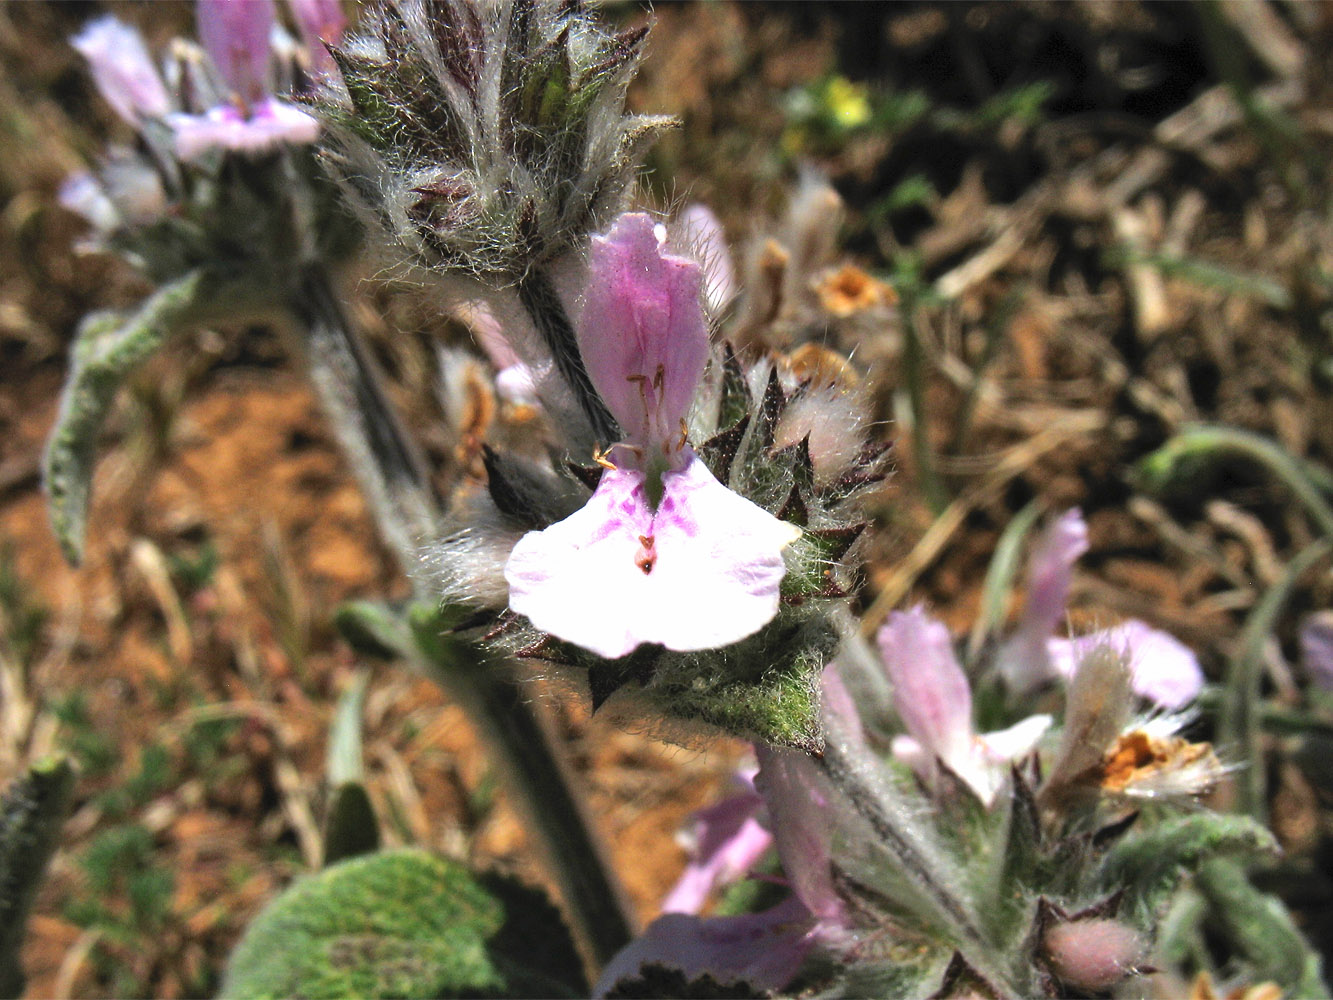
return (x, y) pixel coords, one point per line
(1163, 669)
(985, 768)
(1016, 742)
(764, 949)
(1024, 660)
(701, 571)
(698, 234)
(1051, 570)
(798, 805)
(1317, 648)
(837, 707)
(728, 841)
(320, 21)
(272, 123)
(642, 331)
(235, 33)
(122, 69)
(930, 691)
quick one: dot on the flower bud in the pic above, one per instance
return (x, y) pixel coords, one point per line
(1093, 955)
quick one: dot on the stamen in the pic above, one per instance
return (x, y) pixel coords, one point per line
(659, 377)
(600, 458)
(684, 435)
(642, 382)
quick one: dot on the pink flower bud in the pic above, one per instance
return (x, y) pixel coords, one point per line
(1093, 955)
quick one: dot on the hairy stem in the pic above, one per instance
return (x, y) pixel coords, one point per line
(31, 814)
(548, 315)
(486, 689)
(914, 860)
(386, 461)
(407, 509)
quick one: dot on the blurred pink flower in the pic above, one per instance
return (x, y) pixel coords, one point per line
(123, 70)
(236, 35)
(320, 22)
(269, 124)
(1164, 670)
(764, 949)
(1317, 648)
(1023, 661)
(725, 842)
(662, 552)
(933, 699)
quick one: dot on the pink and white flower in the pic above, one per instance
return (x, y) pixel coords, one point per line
(123, 70)
(725, 841)
(236, 34)
(1163, 669)
(932, 697)
(662, 552)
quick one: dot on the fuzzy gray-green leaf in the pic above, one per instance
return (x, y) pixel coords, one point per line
(1261, 929)
(404, 924)
(1149, 865)
(108, 348)
(31, 813)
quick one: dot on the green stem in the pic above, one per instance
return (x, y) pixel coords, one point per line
(914, 375)
(386, 460)
(1207, 442)
(1241, 717)
(31, 815)
(487, 691)
(914, 858)
(407, 511)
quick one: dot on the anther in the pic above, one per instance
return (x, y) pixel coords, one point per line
(600, 458)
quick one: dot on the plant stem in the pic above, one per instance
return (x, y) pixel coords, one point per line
(407, 509)
(937, 496)
(1241, 707)
(1209, 442)
(389, 465)
(547, 312)
(913, 857)
(31, 814)
(484, 686)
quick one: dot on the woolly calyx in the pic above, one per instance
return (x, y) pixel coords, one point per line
(486, 138)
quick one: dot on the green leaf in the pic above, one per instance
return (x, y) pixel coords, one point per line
(350, 828)
(31, 814)
(1000, 576)
(405, 924)
(107, 349)
(1261, 929)
(1149, 865)
(374, 629)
